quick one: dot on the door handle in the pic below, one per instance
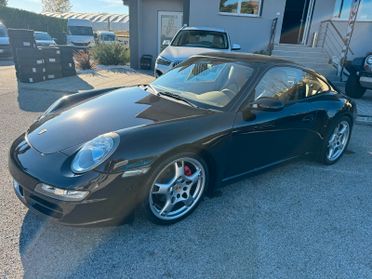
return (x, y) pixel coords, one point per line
(308, 118)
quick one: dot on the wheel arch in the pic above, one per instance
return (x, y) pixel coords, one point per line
(209, 159)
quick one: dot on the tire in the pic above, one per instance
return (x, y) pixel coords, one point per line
(353, 88)
(330, 141)
(180, 193)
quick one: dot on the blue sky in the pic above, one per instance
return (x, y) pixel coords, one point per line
(89, 6)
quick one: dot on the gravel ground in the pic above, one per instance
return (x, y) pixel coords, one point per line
(300, 220)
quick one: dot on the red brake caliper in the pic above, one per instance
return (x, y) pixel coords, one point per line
(187, 170)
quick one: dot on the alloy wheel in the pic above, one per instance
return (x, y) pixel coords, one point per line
(177, 188)
(338, 140)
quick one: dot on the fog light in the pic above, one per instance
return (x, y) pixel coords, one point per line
(61, 194)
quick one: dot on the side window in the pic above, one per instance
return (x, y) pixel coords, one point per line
(283, 83)
(314, 85)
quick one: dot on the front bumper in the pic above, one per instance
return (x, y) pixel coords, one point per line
(161, 69)
(111, 200)
(366, 81)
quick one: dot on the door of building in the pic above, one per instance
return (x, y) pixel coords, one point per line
(296, 21)
(168, 25)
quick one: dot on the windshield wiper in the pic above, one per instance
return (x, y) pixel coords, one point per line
(177, 97)
(152, 89)
(171, 95)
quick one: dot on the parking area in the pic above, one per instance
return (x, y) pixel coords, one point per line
(299, 220)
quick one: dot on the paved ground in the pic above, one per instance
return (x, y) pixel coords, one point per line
(301, 220)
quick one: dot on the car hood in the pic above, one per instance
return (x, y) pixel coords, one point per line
(4, 40)
(125, 108)
(174, 53)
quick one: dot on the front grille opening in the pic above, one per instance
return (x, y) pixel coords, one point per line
(45, 204)
(46, 210)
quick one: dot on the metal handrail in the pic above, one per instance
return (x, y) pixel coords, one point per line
(270, 46)
(334, 28)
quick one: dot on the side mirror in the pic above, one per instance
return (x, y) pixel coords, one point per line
(268, 104)
(166, 43)
(236, 47)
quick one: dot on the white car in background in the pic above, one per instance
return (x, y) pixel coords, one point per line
(105, 37)
(80, 33)
(43, 39)
(190, 41)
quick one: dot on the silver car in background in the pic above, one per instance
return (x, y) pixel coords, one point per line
(4, 42)
(189, 41)
(44, 39)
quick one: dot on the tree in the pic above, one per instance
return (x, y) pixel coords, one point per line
(3, 3)
(56, 6)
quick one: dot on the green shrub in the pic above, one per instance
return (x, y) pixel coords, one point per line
(110, 54)
(20, 19)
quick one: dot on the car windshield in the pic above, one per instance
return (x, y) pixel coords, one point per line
(201, 38)
(80, 30)
(206, 82)
(3, 33)
(42, 36)
(108, 37)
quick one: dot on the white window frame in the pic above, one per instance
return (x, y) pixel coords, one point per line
(239, 8)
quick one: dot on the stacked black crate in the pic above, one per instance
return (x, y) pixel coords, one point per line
(28, 61)
(21, 38)
(30, 65)
(52, 60)
(67, 61)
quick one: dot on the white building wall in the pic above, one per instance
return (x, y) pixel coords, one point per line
(252, 33)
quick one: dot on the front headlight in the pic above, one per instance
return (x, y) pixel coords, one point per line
(369, 60)
(95, 152)
(163, 61)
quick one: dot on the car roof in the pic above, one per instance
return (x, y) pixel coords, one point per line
(79, 22)
(204, 28)
(41, 32)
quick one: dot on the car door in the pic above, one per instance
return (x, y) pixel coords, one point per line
(262, 137)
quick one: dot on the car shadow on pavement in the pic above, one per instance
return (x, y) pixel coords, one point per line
(142, 249)
(37, 97)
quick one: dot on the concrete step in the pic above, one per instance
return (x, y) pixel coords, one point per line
(306, 59)
(339, 84)
(333, 77)
(298, 48)
(316, 65)
(323, 70)
(300, 54)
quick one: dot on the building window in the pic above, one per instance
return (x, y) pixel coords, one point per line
(343, 7)
(241, 7)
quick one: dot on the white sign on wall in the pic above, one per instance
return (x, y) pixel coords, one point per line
(168, 25)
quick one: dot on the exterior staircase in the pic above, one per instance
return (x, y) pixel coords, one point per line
(312, 57)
